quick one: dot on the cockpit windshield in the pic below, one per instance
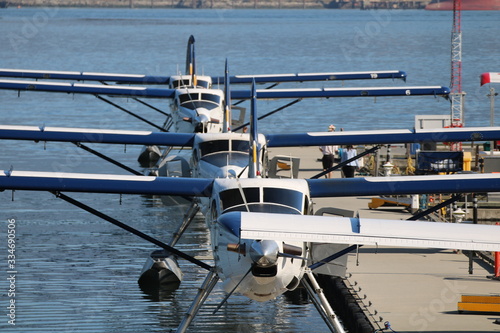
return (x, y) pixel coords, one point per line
(216, 146)
(199, 100)
(186, 83)
(210, 147)
(181, 83)
(268, 199)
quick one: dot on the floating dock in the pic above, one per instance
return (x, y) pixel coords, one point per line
(415, 290)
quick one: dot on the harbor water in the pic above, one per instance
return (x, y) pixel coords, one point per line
(77, 273)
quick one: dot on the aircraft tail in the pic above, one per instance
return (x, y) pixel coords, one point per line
(191, 60)
(226, 127)
(254, 166)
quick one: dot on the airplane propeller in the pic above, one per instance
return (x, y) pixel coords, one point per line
(264, 253)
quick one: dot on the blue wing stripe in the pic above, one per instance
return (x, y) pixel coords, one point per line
(95, 89)
(346, 187)
(98, 183)
(384, 137)
(342, 92)
(94, 135)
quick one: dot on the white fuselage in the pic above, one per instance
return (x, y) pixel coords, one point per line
(271, 277)
(196, 108)
(224, 155)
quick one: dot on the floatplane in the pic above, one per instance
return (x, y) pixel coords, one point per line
(262, 230)
(196, 105)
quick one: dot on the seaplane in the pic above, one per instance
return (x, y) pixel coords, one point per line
(203, 109)
(196, 105)
(262, 230)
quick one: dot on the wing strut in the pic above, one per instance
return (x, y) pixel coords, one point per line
(132, 230)
(108, 159)
(435, 208)
(270, 113)
(131, 113)
(340, 165)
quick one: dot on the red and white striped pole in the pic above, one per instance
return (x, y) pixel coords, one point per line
(497, 264)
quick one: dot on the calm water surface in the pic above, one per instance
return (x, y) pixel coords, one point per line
(77, 273)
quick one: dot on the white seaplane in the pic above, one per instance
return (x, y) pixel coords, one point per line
(262, 233)
(196, 106)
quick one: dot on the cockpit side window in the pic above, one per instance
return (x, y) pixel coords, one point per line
(202, 84)
(240, 145)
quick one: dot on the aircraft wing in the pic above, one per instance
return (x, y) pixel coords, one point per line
(398, 185)
(102, 183)
(341, 230)
(342, 92)
(63, 134)
(92, 89)
(304, 77)
(84, 76)
(97, 89)
(66, 134)
(384, 137)
(155, 79)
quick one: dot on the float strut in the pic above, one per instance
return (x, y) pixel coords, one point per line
(205, 289)
(188, 217)
(321, 303)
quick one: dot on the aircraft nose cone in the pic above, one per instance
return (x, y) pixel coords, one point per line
(264, 253)
(203, 116)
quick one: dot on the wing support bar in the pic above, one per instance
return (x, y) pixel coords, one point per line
(340, 165)
(132, 230)
(131, 113)
(108, 159)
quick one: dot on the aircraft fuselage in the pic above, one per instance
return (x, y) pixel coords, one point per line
(269, 273)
